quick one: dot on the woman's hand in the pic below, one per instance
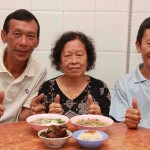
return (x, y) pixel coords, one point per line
(133, 116)
(93, 108)
(2, 108)
(36, 107)
(56, 107)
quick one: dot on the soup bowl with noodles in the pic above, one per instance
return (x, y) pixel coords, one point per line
(91, 122)
(42, 121)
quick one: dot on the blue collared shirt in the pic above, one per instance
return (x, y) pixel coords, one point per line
(129, 86)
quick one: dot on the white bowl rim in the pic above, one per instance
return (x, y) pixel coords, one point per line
(68, 132)
(46, 115)
(93, 116)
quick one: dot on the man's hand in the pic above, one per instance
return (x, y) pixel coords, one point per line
(2, 108)
(93, 108)
(36, 107)
(133, 115)
(56, 107)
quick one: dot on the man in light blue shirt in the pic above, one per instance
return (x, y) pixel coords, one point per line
(130, 101)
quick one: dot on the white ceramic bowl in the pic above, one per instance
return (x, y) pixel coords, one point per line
(54, 142)
(89, 144)
(105, 119)
(38, 127)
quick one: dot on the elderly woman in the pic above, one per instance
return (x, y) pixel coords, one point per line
(74, 92)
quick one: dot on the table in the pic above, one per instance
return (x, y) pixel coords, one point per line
(20, 136)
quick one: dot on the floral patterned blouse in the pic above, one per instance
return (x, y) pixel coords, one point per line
(97, 88)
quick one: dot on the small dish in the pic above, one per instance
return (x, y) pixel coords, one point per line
(87, 143)
(54, 142)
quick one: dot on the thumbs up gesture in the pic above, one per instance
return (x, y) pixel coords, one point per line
(56, 107)
(93, 108)
(2, 108)
(133, 115)
(36, 107)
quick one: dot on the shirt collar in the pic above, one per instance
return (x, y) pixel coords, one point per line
(138, 77)
(29, 71)
(2, 67)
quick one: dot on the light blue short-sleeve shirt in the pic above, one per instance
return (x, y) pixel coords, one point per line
(129, 86)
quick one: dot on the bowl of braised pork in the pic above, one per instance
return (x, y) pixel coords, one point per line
(55, 136)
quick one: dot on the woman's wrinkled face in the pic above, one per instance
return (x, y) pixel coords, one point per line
(144, 48)
(74, 59)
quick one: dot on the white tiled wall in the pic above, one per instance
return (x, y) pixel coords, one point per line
(106, 21)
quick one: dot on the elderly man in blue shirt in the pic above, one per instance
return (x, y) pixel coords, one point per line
(131, 96)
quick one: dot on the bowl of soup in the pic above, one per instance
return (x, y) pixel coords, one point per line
(91, 122)
(42, 121)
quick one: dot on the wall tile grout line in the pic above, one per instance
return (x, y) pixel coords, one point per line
(129, 36)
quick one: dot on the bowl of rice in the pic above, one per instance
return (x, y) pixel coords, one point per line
(90, 139)
(91, 122)
(42, 121)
